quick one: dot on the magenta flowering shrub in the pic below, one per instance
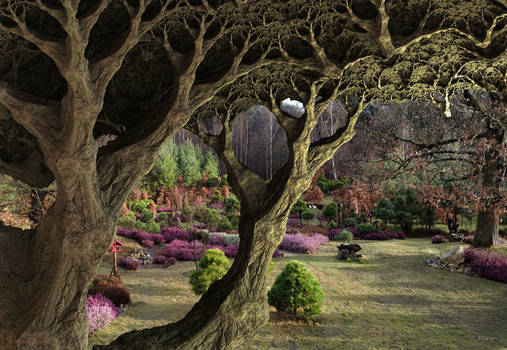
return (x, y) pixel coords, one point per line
(437, 239)
(487, 265)
(301, 243)
(385, 235)
(159, 259)
(147, 243)
(170, 261)
(100, 310)
(216, 239)
(174, 232)
(126, 233)
(182, 250)
(216, 205)
(128, 263)
(142, 236)
(231, 251)
(277, 254)
(157, 238)
(294, 216)
(163, 210)
(199, 226)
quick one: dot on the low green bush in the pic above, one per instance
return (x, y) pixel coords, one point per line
(296, 289)
(212, 267)
(349, 222)
(128, 222)
(366, 228)
(332, 225)
(344, 236)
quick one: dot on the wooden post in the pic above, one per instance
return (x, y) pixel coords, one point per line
(114, 271)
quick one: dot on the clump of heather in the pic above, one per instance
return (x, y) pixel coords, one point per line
(385, 235)
(128, 263)
(182, 250)
(301, 243)
(100, 310)
(437, 239)
(487, 265)
(174, 232)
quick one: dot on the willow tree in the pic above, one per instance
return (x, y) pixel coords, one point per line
(123, 75)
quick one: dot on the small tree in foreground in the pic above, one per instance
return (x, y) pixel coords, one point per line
(296, 289)
(212, 267)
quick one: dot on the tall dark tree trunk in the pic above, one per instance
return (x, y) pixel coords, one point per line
(486, 232)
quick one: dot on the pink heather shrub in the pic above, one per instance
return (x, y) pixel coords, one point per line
(216, 205)
(384, 235)
(437, 239)
(199, 226)
(294, 216)
(216, 239)
(170, 261)
(142, 236)
(231, 251)
(129, 264)
(490, 266)
(277, 254)
(182, 250)
(101, 311)
(174, 232)
(126, 233)
(163, 210)
(301, 243)
(159, 259)
(147, 243)
(157, 238)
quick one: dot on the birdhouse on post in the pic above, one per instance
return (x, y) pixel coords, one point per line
(115, 248)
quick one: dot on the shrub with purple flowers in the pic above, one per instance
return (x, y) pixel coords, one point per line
(231, 250)
(301, 243)
(385, 235)
(100, 310)
(182, 250)
(147, 243)
(437, 239)
(164, 210)
(217, 205)
(170, 261)
(487, 265)
(157, 238)
(174, 232)
(159, 259)
(216, 239)
(128, 263)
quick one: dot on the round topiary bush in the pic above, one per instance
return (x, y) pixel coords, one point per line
(212, 267)
(296, 289)
(344, 236)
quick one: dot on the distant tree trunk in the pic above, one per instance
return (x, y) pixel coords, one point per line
(486, 232)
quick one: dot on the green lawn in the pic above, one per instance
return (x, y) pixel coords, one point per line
(393, 302)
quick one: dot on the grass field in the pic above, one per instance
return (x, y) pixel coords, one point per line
(393, 302)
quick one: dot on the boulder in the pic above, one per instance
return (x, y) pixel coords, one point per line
(455, 256)
(348, 251)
